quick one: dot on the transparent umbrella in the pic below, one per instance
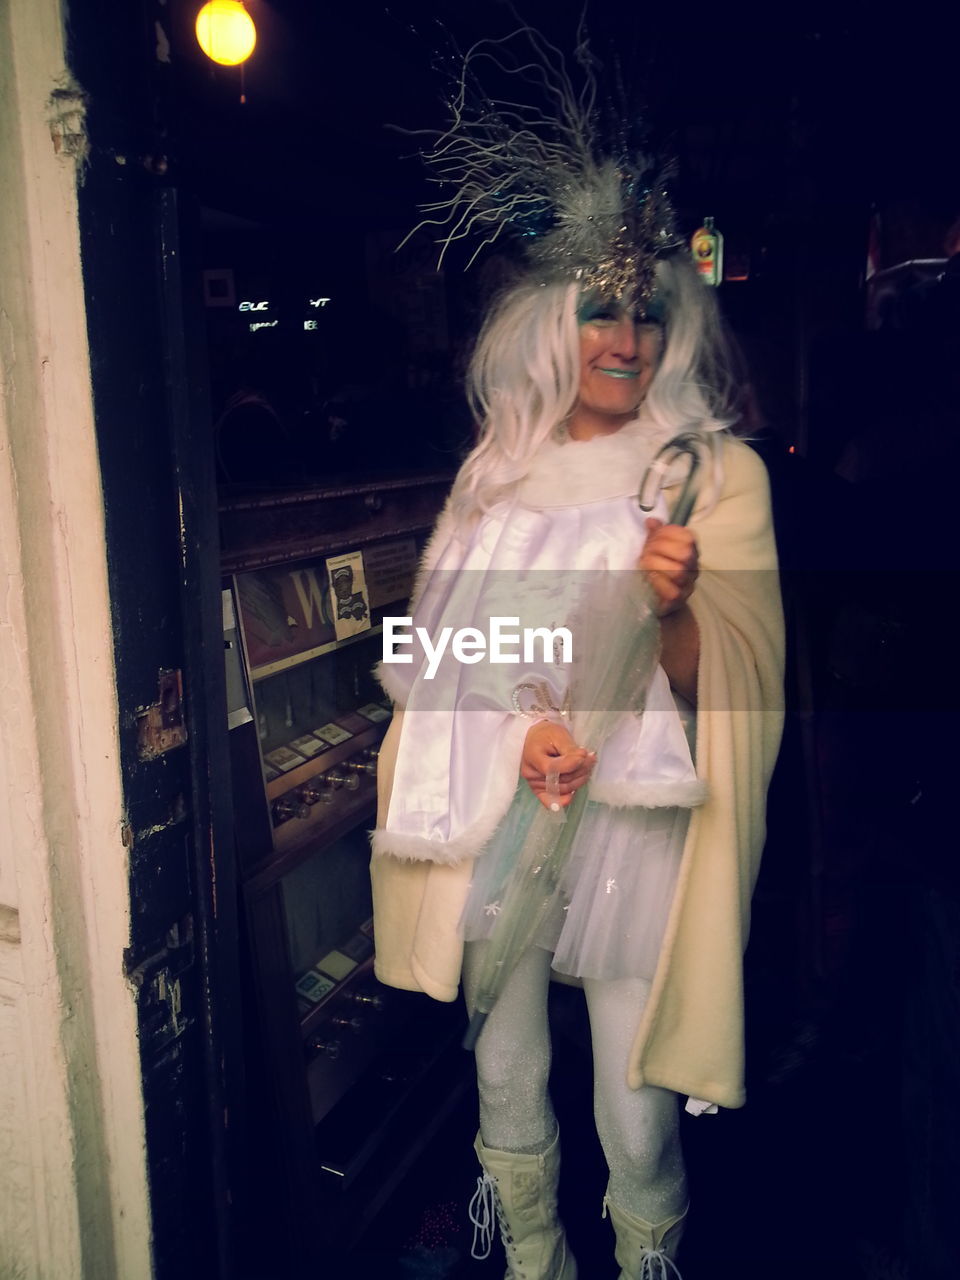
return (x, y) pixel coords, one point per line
(620, 647)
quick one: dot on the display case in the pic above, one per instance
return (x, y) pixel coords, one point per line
(348, 1079)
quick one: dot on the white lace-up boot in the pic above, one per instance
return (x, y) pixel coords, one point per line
(645, 1251)
(521, 1191)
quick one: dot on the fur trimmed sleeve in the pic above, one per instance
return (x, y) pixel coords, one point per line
(456, 769)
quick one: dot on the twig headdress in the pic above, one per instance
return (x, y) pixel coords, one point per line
(583, 211)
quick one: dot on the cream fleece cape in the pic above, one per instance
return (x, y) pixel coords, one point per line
(690, 1036)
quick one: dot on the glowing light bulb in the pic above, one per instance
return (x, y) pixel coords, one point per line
(225, 32)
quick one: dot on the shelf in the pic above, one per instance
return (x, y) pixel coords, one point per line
(297, 659)
(357, 807)
(399, 1100)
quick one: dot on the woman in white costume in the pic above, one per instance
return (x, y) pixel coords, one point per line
(608, 348)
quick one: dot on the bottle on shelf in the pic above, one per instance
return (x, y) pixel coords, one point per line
(366, 1000)
(346, 1023)
(336, 779)
(288, 807)
(317, 1046)
(314, 791)
(706, 245)
(365, 765)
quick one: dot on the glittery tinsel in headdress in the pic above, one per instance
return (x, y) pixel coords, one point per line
(598, 214)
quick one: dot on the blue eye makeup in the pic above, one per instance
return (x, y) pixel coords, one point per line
(653, 311)
(595, 312)
(603, 311)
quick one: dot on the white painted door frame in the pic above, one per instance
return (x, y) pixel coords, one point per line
(73, 1185)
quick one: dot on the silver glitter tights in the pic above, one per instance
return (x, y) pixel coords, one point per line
(638, 1128)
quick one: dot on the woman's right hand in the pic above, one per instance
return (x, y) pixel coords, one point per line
(549, 748)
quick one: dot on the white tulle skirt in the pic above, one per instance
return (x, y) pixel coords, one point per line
(616, 892)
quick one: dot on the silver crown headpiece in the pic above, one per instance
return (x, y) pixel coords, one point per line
(540, 173)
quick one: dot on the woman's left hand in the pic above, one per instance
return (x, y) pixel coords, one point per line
(670, 560)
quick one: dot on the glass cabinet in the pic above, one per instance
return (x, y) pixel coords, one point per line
(347, 1079)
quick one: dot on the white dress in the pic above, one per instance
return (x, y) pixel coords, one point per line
(455, 790)
(616, 892)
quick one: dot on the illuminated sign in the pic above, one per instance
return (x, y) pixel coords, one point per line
(254, 306)
(318, 302)
(309, 324)
(263, 324)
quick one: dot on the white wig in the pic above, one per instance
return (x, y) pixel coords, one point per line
(525, 374)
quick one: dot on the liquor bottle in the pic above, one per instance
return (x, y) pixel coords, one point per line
(706, 245)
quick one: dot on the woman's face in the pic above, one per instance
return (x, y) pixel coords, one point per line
(620, 346)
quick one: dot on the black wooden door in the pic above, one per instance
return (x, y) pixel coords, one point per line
(153, 433)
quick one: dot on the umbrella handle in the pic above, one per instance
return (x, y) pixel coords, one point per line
(689, 444)
(472, 1034)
